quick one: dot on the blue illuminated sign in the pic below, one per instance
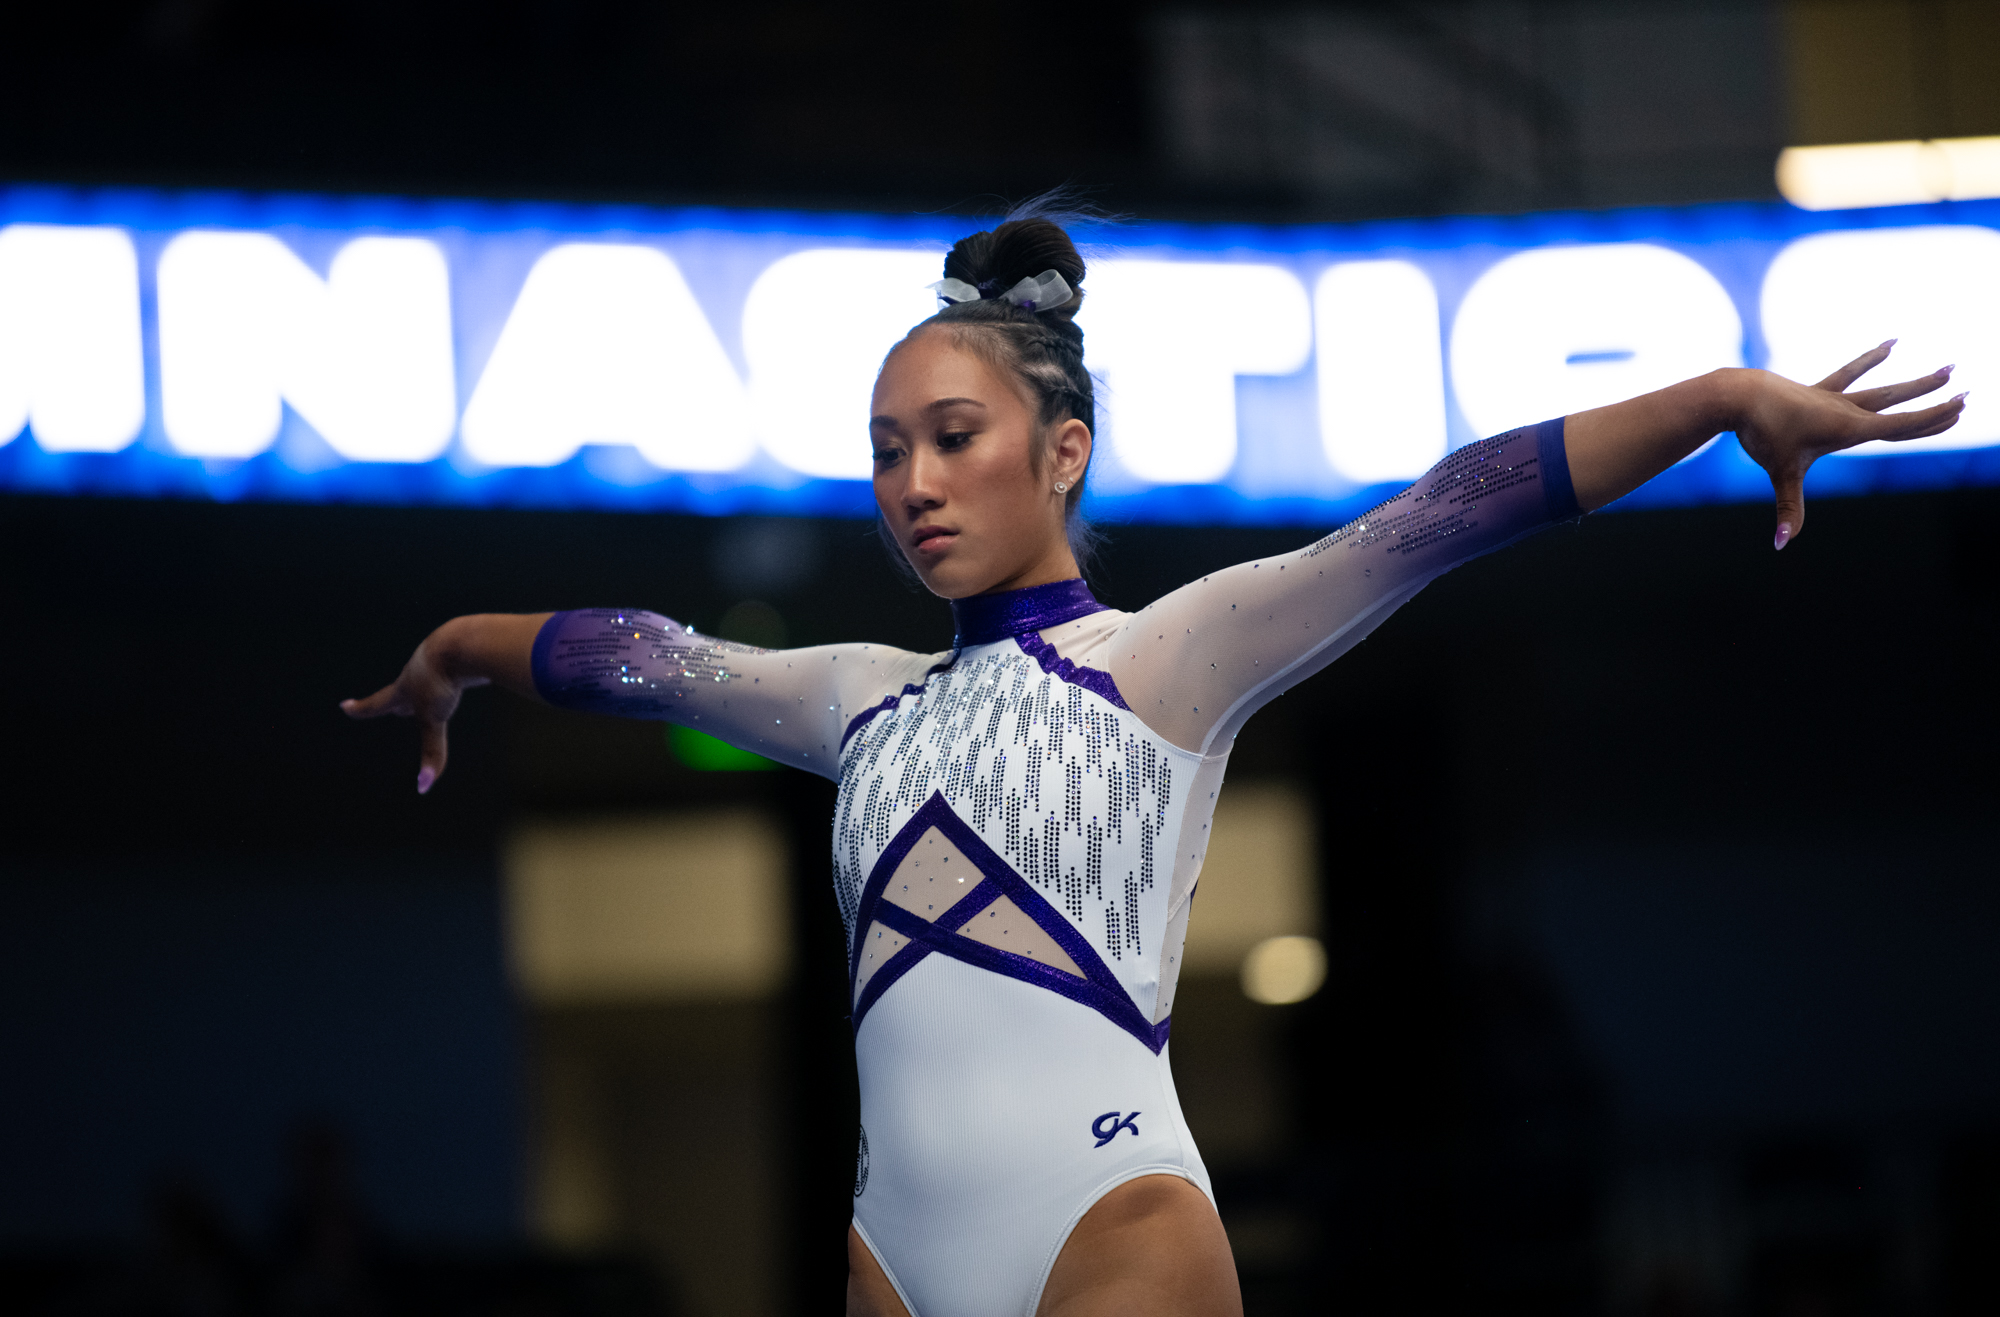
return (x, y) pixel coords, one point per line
(323, 349)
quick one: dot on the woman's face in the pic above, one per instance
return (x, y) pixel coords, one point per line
(953, 440)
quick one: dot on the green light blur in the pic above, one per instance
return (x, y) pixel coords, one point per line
(699, 750)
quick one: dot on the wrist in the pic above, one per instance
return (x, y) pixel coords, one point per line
(447, 650)
(1731, 392)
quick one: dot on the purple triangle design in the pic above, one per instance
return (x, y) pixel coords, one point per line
(1099, 989)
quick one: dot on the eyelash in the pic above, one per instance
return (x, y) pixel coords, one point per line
(950, 441)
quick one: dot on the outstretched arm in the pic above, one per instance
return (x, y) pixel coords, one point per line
(1198, 662)
(791, 705)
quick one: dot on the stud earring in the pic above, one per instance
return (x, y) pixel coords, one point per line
(1062, 486)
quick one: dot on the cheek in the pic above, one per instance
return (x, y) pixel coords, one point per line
(1007, 472)
(1003, 499)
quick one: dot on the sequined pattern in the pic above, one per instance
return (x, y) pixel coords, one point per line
(1070, 790)
(1441, 505)
(634, 665)
(983, 619)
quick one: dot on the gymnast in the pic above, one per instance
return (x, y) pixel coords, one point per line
(1022, 819)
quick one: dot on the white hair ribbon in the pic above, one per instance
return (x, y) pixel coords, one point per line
(1042, 292)
(1045, 292)
(950, 292)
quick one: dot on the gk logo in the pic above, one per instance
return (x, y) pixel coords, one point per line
(1106, 1126)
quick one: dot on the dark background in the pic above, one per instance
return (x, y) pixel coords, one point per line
(1657, 873)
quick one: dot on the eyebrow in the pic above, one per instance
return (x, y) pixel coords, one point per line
(876, 422)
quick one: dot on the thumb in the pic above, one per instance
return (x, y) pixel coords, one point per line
(1790, 491)
(431, 765)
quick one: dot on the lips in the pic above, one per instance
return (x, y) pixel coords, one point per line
(932, 539)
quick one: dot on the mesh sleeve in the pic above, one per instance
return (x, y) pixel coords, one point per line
(1198, 662)
(789, 705)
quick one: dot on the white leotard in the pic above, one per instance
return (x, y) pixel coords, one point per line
(1021, 824)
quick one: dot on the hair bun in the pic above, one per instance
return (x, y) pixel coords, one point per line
(1027, 247)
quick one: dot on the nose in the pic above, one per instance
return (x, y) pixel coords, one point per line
(923, 481)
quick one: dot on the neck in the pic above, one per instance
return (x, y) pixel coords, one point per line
(996, 615)
(1059, 564)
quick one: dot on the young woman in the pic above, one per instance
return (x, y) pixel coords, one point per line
(1022, 819)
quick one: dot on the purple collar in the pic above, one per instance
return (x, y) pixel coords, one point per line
(985, 618)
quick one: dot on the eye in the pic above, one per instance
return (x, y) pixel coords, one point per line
(887, 456)
(954, 439)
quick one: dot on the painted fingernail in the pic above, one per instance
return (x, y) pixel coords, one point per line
(1886, 344)
(424, 779)
(1961, 397)
(1783, 536)
(1947, 370)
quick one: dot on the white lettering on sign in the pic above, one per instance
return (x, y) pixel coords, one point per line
(72, 362)
(815, 329)
(1829, 297)
(1564, 329)
(364, 356)
(1381, 370)
(607, 345)
(1169, 338)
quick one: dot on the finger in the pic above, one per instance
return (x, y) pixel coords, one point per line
(1898, 426)
(1855, 369)
(1790, 492)
(1929, 421)
(431, 765)
(1889, 395)
(387, 700)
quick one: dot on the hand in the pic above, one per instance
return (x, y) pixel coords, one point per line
(1785, 426)
(426, 691)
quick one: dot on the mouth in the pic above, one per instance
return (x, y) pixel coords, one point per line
(932, 539)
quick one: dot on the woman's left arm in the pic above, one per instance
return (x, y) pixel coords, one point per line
(1784, 426)
(1198, 662)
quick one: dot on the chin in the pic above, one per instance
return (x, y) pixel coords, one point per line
(948, 580)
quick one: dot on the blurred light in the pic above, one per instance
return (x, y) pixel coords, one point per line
(816, 327)
(72, 362)
(1829, 297)
(607, 345)
(364, 356)
(1381, 370)
(1564, 329)
(648, 909)
(706, 754)
(765, 554)
(1259, 875)
(1282, 970)
(1890, 173)
(1169, 339)
(369, 319)
(754, 622)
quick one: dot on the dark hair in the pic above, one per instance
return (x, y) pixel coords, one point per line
(1042, 349)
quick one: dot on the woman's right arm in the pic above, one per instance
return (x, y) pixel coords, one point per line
(790, 705)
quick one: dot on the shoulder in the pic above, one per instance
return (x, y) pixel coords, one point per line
(1087, 640)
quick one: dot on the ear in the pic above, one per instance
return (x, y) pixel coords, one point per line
(1069, 449)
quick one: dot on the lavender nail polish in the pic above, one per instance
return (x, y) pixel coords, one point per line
(1784, 535)
(424, 779)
